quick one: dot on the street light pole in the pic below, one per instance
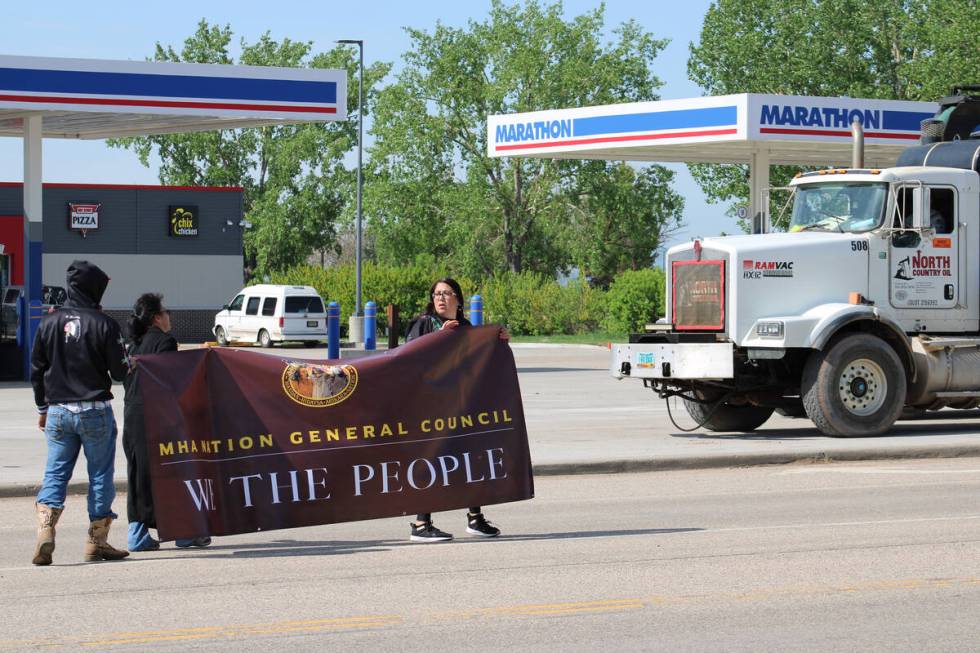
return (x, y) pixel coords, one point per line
(360, 177)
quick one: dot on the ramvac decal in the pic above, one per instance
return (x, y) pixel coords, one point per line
(527, 131)
(797, 116)
(752, 269)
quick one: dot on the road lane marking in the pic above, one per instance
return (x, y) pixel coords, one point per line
(246, 630)
(575, 608)
(578, 607)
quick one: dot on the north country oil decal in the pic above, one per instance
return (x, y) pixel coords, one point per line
(757, 269)
(922, 265)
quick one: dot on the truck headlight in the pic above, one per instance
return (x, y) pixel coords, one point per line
(769, 329)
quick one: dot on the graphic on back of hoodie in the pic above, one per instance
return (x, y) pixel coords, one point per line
(73, 329)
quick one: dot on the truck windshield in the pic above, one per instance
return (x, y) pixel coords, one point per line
(843, 206)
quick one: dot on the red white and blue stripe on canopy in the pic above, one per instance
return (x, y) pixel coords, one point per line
(88, 98)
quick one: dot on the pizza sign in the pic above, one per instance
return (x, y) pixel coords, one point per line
(83, 217)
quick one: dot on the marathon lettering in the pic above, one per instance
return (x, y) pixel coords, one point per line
(797, 116)
(532, 131)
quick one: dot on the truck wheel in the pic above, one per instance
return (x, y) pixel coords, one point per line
(728, 417)
(219, 335)
(265, 340)
(855, 387)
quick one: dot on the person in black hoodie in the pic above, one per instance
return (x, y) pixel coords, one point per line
(149, 332)
(445, 311)
(77, 349)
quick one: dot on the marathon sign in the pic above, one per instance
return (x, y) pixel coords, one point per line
(83, 217)
(833, 117)
(802, 116)
(241, 442)
(532, 131)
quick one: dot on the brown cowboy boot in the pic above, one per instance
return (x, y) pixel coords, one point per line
(47, 517)
(97, 548)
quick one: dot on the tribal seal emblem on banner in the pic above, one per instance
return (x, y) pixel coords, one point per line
(318, 386)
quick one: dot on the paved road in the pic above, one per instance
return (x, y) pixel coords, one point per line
(856, 556)
(580, 419)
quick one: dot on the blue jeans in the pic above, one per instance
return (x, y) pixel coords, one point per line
(93, 431)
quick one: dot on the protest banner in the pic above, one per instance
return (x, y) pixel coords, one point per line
(241, 441)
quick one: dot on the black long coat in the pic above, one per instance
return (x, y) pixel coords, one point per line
(139, 504)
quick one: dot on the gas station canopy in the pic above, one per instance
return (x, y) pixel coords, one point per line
(754, 129)
(42, 97)
(88, 98)
(724, 129)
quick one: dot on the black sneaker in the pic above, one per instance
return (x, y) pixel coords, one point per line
(428, 533)
(478, 525)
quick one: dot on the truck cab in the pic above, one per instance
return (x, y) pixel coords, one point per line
(866, 305)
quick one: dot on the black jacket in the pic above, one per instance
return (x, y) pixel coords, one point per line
(78, 347)
(154, 341)
(426, 324)
(139, 498)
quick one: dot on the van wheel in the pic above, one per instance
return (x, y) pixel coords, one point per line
(855, 387)
(264, 339)
(728, 417)
(221, 337)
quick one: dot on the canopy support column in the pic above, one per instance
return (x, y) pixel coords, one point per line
(759, 190)
(33, 215)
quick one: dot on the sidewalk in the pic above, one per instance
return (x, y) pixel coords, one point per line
(580, 420)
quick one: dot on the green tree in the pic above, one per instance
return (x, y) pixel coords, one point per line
(623, 216)
(434, 190)
(294, 178)
(894, 49)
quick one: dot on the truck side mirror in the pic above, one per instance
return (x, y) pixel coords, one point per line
(918, 215)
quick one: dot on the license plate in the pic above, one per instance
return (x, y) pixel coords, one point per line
(312, 323)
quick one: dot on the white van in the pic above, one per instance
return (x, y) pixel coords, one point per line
(266, 314)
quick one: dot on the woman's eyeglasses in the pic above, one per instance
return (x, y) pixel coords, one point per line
(443, 293)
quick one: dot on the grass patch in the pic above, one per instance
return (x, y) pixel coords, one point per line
(600, 338)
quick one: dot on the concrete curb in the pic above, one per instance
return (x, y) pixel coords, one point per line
(625, 466)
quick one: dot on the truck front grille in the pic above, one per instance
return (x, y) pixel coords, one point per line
(698, 297)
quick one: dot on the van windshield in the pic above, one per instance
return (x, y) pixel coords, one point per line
(304, 304)
(854, 207)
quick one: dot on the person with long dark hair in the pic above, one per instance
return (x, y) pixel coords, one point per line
(445, 311)
(149, 333)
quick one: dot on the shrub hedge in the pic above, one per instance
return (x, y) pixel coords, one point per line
(527, 303)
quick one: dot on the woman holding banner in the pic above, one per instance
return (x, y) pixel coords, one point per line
(149, 331)
(445, 311)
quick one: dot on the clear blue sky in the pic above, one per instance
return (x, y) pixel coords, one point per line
(128, 30)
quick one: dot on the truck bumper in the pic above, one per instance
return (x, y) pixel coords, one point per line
(707, 361)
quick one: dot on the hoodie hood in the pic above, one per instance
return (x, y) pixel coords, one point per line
(86, 284)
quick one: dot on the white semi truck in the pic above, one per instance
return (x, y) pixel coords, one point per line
(867, 306)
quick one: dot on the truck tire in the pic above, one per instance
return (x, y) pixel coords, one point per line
(855, 387)
(728, 417)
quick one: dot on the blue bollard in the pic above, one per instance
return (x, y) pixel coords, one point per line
(333, 330)
(476, 310)
(370, 326)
